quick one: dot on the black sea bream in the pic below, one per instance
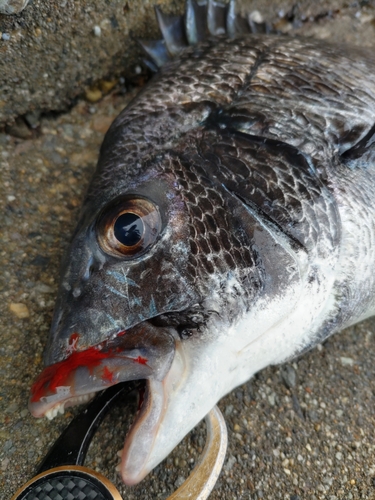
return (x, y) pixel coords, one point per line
(230, 225)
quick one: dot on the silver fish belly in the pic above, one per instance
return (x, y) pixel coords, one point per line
(230, 225)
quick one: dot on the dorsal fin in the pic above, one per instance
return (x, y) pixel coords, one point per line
(216, 18)
(172, 29)
(236, 24)
(195, 22)
(156, 51)
(201, 19)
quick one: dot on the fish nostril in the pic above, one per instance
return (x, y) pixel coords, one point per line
(89, 270)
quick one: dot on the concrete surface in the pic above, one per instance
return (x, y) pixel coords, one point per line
(301, 431)
(54, 49)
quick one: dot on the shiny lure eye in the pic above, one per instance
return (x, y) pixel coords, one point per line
(128, 227)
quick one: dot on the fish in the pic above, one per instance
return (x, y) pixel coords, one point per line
(229, 225)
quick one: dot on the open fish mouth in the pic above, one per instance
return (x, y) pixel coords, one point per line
(132, 355)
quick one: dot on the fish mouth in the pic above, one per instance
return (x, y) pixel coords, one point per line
(145, 352)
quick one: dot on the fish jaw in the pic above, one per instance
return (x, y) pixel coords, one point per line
(139, 443)
(141, 353)
(175, 405)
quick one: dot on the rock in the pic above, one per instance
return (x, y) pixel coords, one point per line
(19, 129)
(93, 94)
(102, 123)
(10, 7)
(4, 464)
(179, 481)
(32, 118)
(107, 85)
(289, 376)
(346, 361)
(20, 310)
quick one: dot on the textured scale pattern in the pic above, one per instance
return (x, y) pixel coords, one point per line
(279, 181)
(216, 246)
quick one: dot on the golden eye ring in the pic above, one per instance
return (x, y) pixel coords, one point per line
(128, 227)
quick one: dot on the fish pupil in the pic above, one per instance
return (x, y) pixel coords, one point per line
(128, 229)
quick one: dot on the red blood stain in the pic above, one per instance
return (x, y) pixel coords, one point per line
(121, 334)
(56, 375)
(107, 375)
(140, 360)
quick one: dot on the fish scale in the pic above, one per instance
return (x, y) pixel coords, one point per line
(214, 245)
(241, 184)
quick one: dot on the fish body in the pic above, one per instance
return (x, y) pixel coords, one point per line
(230, 225)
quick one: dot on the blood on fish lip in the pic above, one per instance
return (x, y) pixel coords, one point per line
(140, 360)
(107, 375)
(56, 375)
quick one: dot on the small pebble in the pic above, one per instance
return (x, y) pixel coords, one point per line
(32, 118)
(8, 445)
(97, 31)
(10, 7)
(20, 310)
(5, 37)
(4, 464)
(102, 123)
(12, 408)
(289, 376)
(228, 410)
(93, 95)
(107, 85)
(179, 481)
(19, 129)
(230, 462)
(272, 398)
(346, 361)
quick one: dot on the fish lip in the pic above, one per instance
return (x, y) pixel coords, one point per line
(141, 353)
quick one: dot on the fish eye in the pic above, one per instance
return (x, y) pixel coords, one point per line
(128, 227)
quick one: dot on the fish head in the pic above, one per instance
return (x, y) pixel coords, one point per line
(160, 272)
(127, 264)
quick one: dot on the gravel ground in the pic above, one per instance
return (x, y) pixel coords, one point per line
(303, 430)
